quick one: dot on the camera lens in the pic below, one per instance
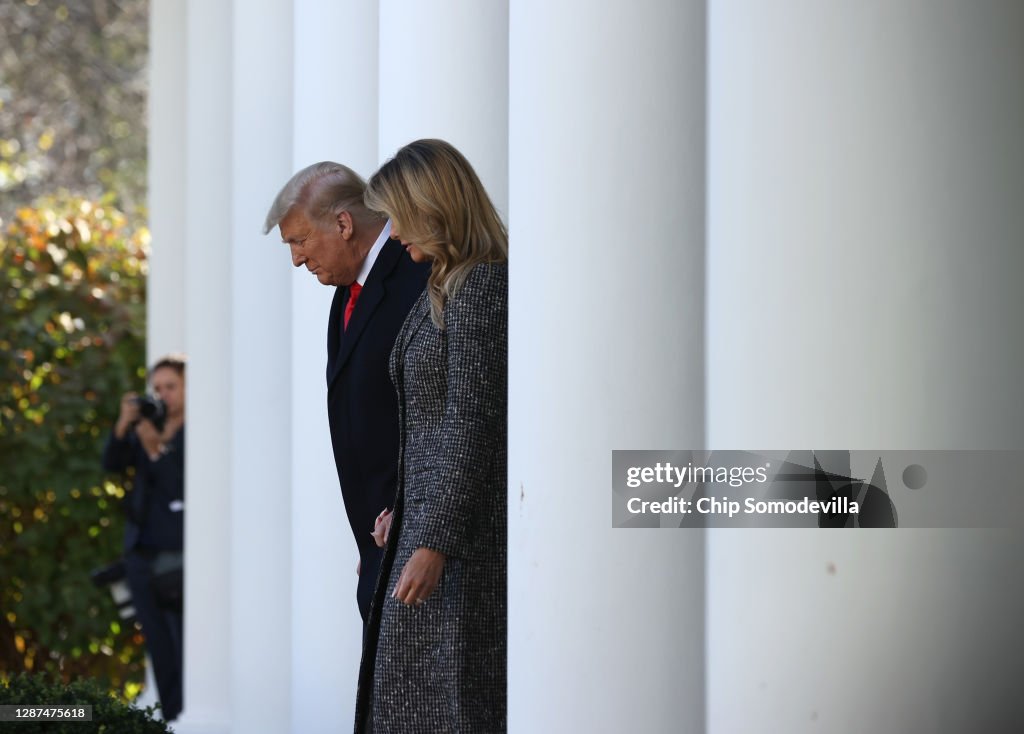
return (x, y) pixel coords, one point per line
(152, 409)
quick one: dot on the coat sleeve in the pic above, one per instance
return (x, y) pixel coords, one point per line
(476, 324)
(118, 453)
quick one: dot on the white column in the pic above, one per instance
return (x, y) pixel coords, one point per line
(238, 324)
(334, 118)
(208, 285)
(444, 74)
(606, 132)
(165, 289)
(261, 589)
(165, 286)
(865, 229)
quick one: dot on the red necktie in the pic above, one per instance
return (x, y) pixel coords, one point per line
(353, 296)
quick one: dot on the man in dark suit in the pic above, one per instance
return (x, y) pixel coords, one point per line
(325, 224)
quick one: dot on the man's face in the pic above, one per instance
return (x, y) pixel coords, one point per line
(331, 255)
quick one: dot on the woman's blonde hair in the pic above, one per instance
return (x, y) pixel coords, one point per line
(436, 201)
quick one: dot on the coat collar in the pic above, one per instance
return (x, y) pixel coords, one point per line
(416, 319)
(373, 293)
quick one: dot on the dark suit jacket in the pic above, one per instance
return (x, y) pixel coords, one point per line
(362, 406)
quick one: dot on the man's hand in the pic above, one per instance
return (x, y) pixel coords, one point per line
(382, 527)
(419, 577)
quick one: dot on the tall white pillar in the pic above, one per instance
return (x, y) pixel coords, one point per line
(165, 287)
(208, 441)
(444, 74)
(165, 167)
(606, 205)
(334, 118)
(238, 539)
(261, 588)
(865, 229)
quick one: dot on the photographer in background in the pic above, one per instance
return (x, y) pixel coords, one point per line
(150, 437)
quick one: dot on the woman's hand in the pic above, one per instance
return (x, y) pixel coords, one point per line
(150, 439)
(419, 577)
(382, 527)
(129, 414)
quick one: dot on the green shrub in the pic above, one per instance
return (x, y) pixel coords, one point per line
(109, 715)
(72, 340)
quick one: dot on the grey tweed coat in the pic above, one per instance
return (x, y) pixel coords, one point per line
(441, 666)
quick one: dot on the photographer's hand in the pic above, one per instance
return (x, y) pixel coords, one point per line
(151, 439)
(129, 415)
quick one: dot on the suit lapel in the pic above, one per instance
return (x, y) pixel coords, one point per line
(369, 299)
(413, 325)
(334, 331)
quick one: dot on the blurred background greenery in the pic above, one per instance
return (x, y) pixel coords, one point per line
(73, 102)
(73, 245)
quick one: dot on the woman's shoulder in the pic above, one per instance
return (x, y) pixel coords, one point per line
(483, 289)
(487, 276)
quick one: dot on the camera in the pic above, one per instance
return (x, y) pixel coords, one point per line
(116, 578)
(152, 409)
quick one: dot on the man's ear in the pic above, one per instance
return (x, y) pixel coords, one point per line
(345, 225)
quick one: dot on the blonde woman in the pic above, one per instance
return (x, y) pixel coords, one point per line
(434, 658)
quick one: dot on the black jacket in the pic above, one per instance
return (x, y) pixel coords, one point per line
(155, 505)
(362, 407)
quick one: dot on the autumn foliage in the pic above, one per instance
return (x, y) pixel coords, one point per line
(72, 340)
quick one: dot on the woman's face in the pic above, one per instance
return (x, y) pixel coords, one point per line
(169, 386)
(417, 255)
